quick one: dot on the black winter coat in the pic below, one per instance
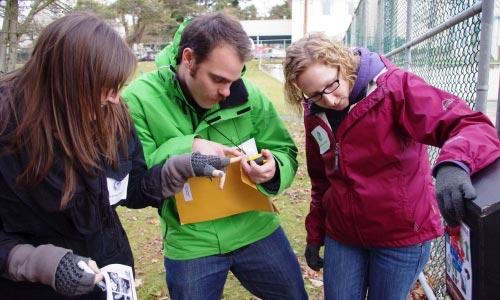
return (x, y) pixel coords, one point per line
(89, 225)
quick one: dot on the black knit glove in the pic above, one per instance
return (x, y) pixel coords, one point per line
(314, 261)
(70, 279)
(453, 187)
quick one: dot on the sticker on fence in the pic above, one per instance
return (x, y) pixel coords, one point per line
(458, 264)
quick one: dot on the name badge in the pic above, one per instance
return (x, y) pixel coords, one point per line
(186, 191)
(117, 189)
(321, 137)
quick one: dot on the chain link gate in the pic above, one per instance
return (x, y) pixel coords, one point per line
(442, 42)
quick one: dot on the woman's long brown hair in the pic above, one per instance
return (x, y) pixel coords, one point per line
(55, 101)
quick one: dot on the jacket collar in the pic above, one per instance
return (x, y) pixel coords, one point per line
(166, 64)
(369, 101)
(363, 106)
(238, 95)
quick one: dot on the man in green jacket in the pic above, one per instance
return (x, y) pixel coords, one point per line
(196, 100)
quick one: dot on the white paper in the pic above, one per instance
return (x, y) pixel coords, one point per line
(120, 282)
(249, 146)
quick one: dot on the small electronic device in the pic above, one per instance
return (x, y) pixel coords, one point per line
(257, 158)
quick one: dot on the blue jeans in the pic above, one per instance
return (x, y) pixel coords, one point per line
(267, 268)
(388, 272)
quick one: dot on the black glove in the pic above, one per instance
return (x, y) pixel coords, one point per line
(312, 257)
(453, 186)
(70, 279)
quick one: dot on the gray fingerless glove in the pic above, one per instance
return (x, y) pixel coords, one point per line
(204, 165)
(178, 168)
(70, 280)
(34, 264)
(175, 172)
(453, 187)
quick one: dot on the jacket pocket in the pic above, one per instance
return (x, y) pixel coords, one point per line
(23, 225)
(231, 132)
(408, 203)
(18, 218)
(111, 244)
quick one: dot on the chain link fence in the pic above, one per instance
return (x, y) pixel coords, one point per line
(444, 43)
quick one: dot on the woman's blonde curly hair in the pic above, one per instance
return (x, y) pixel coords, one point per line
(313, 48)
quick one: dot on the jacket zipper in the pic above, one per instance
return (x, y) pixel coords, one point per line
(350, 193)
(337, 156)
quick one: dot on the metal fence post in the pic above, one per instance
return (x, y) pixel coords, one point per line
(409, 7)
(498, 110)
(380, 26)
(364, 18)
(353, 32)
(484, 54)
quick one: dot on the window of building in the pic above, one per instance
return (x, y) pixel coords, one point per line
(326, 7)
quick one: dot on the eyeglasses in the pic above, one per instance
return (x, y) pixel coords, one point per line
(330, 88)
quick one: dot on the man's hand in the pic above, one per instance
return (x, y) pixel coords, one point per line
(453, 188)
(263, 173)
(314, 261)
(212, 148)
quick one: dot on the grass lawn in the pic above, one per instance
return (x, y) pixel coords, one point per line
(142, 226)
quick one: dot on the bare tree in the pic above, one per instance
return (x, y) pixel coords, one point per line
(18, 19)
(281, 11)
(141, 19)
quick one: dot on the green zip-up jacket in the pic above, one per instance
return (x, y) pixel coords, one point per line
(167, 124)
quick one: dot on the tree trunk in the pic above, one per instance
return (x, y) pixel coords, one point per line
(12, 30)
(9, 37)
(3, 40)
(125, 25)
(13, 37)
(136, 36)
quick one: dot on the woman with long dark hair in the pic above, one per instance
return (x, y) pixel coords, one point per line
(68, 156)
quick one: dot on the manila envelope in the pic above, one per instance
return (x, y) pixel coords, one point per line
(202, 200)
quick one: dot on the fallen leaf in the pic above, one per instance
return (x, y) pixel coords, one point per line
(316, 282)
(138, 282)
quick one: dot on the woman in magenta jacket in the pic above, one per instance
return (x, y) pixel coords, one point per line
(367, 126)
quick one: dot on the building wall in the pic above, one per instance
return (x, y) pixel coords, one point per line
(267, 27)
(330, 16)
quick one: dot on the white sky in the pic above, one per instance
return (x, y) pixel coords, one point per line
(263, 6)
